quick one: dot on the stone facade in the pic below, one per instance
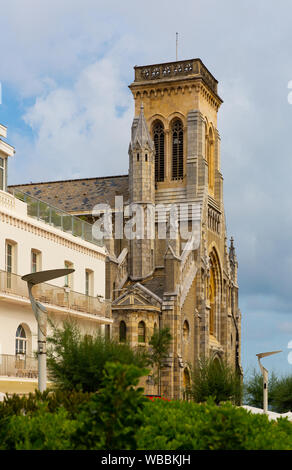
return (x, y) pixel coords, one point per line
(188, 284)
(197, 296)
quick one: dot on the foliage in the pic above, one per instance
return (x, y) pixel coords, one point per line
(279, 392)
(16, 404)
(282, 400)
(41, 430)
(20, 415)
(158, 352)
(217, 380)
(77, 362)
(118, 416)
(179, 425)
(111, 417)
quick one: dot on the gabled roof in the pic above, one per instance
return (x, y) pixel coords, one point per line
(80, 195)
(137, 297)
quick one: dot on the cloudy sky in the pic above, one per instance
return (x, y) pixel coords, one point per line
(65, 69)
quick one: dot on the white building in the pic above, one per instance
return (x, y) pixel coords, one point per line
(34, 237)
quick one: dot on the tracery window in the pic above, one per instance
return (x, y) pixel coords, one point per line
(177, 150)
(158, 138)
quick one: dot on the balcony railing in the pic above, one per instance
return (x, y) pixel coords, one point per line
(59, 296)
(57, 217)
(18, 366)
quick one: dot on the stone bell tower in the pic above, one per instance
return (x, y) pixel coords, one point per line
(142, 199)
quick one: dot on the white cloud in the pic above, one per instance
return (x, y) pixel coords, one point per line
(79, 130)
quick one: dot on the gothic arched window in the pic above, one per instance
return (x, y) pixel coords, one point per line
(123, 332)
(158, 138)
(177, 135)
(141, 332)
(212, 299)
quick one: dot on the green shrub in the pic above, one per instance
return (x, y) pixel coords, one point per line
(217, 380)
(20, 414)
(70, 400)
(76, 362)
(41, 430)
(111, 417)
(186, 425)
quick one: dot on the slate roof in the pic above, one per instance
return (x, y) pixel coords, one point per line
(155, 285)
(80, 195)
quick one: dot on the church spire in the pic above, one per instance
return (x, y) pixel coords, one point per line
(141, 138)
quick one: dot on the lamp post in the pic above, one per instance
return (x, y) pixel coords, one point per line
(40, 313)
(265, 377)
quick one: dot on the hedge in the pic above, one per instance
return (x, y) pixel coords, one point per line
(163, 425)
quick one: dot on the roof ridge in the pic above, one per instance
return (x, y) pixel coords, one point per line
(67, 181)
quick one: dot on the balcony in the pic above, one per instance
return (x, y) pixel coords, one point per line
(61, 297)
(18, 366)
(57, 217)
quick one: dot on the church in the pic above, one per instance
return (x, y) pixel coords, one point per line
(185, 280)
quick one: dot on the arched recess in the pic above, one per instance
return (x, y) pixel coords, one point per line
(186, 378)
(210, 143)
(215, 292)
(210, 154)
(186, 330)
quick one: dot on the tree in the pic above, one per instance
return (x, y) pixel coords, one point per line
(216, 380)
(282, 402)
(279, 392)
(253, 390)
(77, 362)
(158, 352)
(112, 416)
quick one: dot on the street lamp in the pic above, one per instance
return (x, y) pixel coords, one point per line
(265, 377)
(40, 313)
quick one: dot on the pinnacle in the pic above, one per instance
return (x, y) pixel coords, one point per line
(142, 136)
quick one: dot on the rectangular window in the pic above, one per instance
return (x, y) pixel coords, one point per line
(10, 250)
(35, 261)
(107, 332)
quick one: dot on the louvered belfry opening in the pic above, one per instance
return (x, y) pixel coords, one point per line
(158, 138)
(177, 150)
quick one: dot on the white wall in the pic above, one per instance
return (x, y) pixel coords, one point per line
(54, 254)
(15, 225)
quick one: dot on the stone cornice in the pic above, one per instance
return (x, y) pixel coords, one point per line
(38, 230)
(160, 89)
